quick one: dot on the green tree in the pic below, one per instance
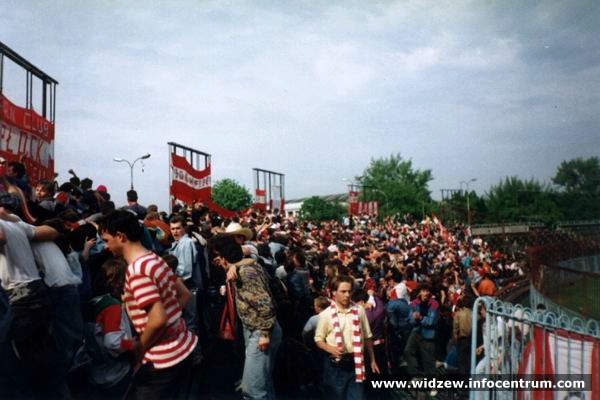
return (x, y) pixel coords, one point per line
(397, 186)
(517, 200)
(579, 188)
(455, 208)
(579, 175)
(317, 209)
(231, 195)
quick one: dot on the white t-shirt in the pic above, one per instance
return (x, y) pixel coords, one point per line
(73, 260)
(20, 265)
(57, 271)
(280, 272)
(402, 291)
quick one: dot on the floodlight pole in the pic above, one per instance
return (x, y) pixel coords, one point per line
(468, 200)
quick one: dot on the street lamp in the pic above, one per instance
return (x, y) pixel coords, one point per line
(132, 164)
(468, 201)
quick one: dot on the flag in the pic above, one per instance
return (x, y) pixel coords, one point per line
(188, 184)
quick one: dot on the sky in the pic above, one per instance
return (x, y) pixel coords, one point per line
(314, 89)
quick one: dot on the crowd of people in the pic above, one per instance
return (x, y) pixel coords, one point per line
(135, 298)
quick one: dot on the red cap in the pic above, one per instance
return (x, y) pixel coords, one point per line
(101, 188)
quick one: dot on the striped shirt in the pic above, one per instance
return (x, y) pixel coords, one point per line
(148, 280)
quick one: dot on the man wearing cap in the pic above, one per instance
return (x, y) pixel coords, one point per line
(254, 305)
(242, 237)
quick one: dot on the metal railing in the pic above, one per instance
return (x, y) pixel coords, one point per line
(518, 340)
(565, 273)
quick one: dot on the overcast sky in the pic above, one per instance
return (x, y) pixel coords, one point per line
(314, 89)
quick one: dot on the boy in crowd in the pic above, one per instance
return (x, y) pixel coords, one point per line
(151, 300)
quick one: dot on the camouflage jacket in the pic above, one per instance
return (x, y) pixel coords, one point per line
(253, 299)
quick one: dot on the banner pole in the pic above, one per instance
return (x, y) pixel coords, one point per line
(170, 179)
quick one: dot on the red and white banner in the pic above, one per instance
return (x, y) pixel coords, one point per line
(561, 353)
(260, 199)
(188, 184)
(364, 207)
(443, 231)
(27, 136)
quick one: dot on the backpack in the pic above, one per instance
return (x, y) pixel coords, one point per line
(278, 292)
(199, 269)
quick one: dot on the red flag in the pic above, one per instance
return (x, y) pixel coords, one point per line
(188, 184)
(260, 201)
(28, 138)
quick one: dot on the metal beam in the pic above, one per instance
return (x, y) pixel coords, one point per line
(188, 149)
(17, 59)
(267, 171)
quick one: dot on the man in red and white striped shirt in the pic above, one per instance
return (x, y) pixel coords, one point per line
(152, 301)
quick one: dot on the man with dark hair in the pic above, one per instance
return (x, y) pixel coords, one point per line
(341, 326)
(28, 297)
(375, 311)
(151, 301)
(18, 176)
(421, 344)
(254, 305)
(298, 284)
(132, 204)
(89, 197)
(184, 249)
(486, 286)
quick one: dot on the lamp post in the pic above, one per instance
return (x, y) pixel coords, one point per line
(131, 164)
(468, 201)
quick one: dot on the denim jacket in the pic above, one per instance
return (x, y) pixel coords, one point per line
(399, 316)
(186, 254)
(427, 325)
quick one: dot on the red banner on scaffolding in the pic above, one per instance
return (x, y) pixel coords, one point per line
(260, 199)
(188, 184)
(27, 137)
(356, 207)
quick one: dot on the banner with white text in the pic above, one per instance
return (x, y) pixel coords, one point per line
(27, 137)
(188, 184)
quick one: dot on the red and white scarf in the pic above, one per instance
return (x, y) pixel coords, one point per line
(359, 366)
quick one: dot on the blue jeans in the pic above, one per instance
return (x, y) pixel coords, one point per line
(257, 380)
(190, 313)
(66, 320)
(340, 383)
(156, 384)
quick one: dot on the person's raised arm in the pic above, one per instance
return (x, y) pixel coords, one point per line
(5, 215)
(44, 233)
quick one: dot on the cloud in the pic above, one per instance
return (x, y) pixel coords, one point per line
(316, 89)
